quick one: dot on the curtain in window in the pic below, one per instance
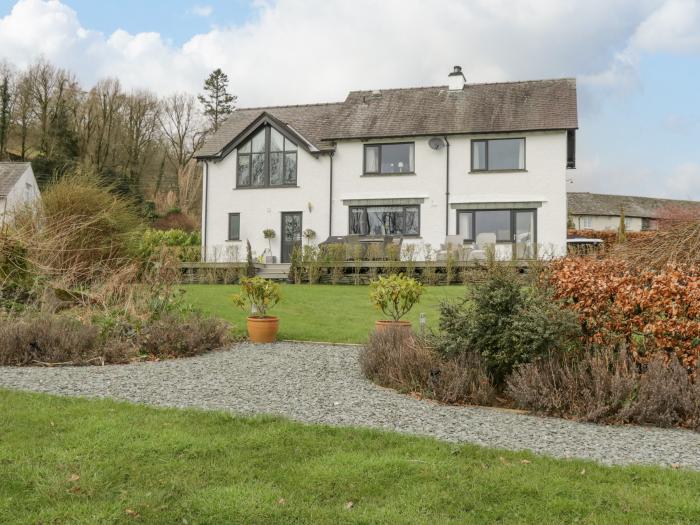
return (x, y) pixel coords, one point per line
(358, 222)
(371, 159)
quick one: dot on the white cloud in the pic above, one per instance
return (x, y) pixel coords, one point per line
(308, 50)
(673, 27)
(296, 51)
(202, 10)
(684, 182)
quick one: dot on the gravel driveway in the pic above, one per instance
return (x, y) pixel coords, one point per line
(322, 384)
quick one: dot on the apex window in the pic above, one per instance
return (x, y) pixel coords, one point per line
(267, 159)
(384, 220)
(387, 159)
(498, 154)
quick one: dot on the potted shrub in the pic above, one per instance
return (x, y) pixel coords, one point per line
(395, 296)
(269, 234)
(309, 235)
(260, 295)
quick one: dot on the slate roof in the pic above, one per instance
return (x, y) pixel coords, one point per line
(10, 173)
(583, 203)
(477, 108)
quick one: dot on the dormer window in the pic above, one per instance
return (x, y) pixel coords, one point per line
(267, 159)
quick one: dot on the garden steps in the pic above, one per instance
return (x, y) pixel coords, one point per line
(275, 272)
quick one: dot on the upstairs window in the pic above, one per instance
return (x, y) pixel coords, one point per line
(498, 154)
(267, 159)
(388, 159)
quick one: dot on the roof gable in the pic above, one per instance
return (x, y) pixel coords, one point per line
(10, 173)
(263, 119)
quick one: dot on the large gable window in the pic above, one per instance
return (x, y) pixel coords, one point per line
(267, 159)
(384, 220)
(498, 155)
(387, 159)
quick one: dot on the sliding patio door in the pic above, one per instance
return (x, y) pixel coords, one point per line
(524, 234)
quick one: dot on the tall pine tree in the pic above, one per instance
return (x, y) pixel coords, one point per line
(216, 99)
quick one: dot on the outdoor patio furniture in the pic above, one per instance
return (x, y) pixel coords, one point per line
(484, 242)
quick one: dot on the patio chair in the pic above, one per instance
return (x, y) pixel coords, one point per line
(453, 243)
(484, 242)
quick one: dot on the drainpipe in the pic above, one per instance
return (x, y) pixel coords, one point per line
(447, 187)
(330, 198)
(205, 210)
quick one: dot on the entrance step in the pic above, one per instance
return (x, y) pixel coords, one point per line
(275, 272)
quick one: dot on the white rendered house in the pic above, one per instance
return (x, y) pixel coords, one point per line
(482, 161)
(17, 187)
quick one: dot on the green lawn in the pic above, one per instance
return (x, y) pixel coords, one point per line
(80, 461)
(337, 314)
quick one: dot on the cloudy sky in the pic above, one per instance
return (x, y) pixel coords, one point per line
(637, 61)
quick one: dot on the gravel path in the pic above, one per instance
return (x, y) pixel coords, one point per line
(322, 384)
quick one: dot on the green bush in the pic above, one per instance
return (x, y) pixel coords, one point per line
(506, 323)
(395, 295)
(186, 245)
(258, 293)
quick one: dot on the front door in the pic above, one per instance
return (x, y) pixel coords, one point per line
(291, 234)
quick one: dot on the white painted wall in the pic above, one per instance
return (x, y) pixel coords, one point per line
(262, 208)
(543, 181)
(25, 190)
(608, 222)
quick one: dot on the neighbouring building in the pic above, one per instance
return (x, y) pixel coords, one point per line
(485, 162)
(17, 187)
(600, 212)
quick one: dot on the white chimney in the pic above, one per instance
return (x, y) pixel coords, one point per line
(456, 79)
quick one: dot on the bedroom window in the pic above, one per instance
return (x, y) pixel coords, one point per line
(384, 220)
(498, 154)
(388, 159)
(267, 159)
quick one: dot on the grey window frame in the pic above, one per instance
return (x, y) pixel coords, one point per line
(403, 208)
(379, 171)
(230, 216)
(266, 162)
(511, 234)
(486, 155)
(571, 149)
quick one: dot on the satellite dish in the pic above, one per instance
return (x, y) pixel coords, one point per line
(436, 143)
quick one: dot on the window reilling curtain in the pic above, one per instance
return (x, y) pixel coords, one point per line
(372, 159)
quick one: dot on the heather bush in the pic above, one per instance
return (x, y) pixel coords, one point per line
(606, 385)
(506, 323)
(666, 397)
(48, 339)
(409, 364)
(172, 335)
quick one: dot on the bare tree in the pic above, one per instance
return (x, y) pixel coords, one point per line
(182, 127)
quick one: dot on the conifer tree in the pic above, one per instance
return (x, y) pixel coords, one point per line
(216, 99)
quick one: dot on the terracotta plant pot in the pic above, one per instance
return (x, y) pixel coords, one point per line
(263, 329)
(385, 325)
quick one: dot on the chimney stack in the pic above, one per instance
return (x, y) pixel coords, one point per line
(456, 79)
